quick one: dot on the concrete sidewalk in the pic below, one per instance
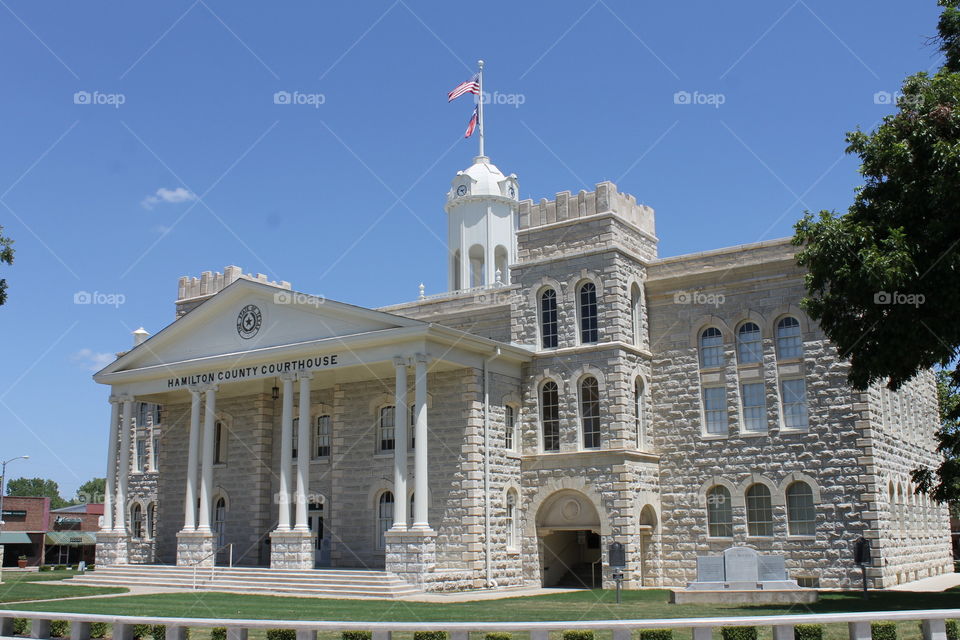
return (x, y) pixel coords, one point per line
(936, 583)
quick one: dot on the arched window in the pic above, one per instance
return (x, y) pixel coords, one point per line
(636, 300)
(550, 415)
(219, 443)
(590, 412)
(509, 427)
(477, 270)
(500, 264)
(719, 512)
(801, 518)
(511, 519)
(749, 348)
(588, 313)
(640, 414)
(711, 348)
(136, 521)
(789, 343)
(455, 266)
(321, 437)
(759, 511)
(151, 520)
(220, 521)
(384, 518)
(387, 429)
(548, 319)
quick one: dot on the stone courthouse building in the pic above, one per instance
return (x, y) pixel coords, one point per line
(570, 390)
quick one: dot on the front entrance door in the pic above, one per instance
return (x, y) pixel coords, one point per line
(321, 549)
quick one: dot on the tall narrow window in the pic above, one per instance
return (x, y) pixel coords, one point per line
(220, 521)
(157, 409)
(749, 347)
(759, 511)
(455, 266)
(719, 513)
(754, 407)
(641, 416)
(636, 299)
(715, 410)
(590, 412)
(794, 395)
(295, 438)
(511, 523)
(136, 521)
(152, 520)
(588, 313)
(509, 425)
(219, 443)
(384, 518)
(412, 427)
(550, 416)
(143, 409)
(789, 342)
(711, 348)
(801, 517)
(387, 429)
(478, 276)
(156, 453)
(322, 437)
(141, 454)
(548, 319)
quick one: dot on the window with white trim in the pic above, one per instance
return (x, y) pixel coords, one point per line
(754, 400)
(321, 437)
(715, 410)
(548, 319)
(386, 429)
(749, 347)
(141, 462)
(759, 511)
(793, 395)
(509, 427)
(711, 348)
(550, 415)
(155, 453)
(136, 521)
(789, 341)
(590, 412)
(588, 313)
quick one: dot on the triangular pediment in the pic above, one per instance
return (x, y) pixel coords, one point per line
(250, 316)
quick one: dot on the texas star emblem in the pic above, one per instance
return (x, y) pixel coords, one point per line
(248, 322)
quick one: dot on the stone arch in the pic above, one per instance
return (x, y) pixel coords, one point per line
(570, 485)
(749, 315)
(699, 324)
(777, 498)
(537, 289)
(736, 495)
(577, 280)
(578, 374)
(784, 311)
(796, 476)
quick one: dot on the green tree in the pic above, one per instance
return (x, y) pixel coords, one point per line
(943, 483)
(37, 487)
(6, 255)
(884, 278)
(92, 490)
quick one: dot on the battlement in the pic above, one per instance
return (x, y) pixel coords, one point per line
(210, 282)
(568, 207)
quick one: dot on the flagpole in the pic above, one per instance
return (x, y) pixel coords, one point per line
(480, 105)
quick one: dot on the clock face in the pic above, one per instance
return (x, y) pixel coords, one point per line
(462, 190)
(248, 321)
(512, 192)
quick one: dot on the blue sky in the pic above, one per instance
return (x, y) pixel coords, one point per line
(180, 161)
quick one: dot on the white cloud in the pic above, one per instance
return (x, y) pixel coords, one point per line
(169, 196)
(93, 360)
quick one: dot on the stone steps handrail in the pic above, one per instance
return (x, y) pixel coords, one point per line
(932, 621)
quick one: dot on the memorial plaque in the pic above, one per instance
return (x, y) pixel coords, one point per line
(740, 564)
(772, 568)
(710, 569)
(618, 555)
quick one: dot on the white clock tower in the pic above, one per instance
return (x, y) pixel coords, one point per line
(481, 222)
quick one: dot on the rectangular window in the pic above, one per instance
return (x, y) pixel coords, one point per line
(156, 414)
(412, 429)
(509, 424)
(142, 410)
(141, 454)
(715, 410)
(322, 437)
(156, 453)
(219, 444)
(794, 395)
(294, 436)
(387, 429)
(754, 402)
(590, 413)
(550, 406)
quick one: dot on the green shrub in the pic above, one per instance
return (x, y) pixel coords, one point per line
(886, 630)
(656, 634)
(281, 634)
(578, 634)
(356, 635)
(46, 567)
(59, 629)
(430, 635)
(21, 627)
(808, 632)
(98, 629)
(738, 633)
(218, 633)
(142, 631)
(953, 630)
(499, 635)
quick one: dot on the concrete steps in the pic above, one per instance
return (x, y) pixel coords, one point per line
(350, 583)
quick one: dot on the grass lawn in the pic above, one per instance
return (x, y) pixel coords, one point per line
(18, 587)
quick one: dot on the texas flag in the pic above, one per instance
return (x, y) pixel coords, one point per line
(473, 123)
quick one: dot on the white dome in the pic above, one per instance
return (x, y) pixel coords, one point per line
(486, 176)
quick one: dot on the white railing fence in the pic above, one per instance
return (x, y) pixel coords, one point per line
(932, 624)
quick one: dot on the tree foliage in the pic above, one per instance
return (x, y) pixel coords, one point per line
(6, 255)
(38, 488)
(92, 490)
(883, 278)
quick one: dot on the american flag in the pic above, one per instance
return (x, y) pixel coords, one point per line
(470, 86)
(473, 123)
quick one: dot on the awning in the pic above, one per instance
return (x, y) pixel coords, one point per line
(14, 537)
(71, 538)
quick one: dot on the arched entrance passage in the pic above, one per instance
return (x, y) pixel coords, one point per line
(648, 537)
(568, 534)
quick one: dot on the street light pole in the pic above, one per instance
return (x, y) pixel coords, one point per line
(3, 490)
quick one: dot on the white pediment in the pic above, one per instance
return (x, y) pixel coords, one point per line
(248, 316)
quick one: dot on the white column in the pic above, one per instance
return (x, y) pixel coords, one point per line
(286, 451)
(422, 491)
(206, 474)
(400, 446)
(120, 508)
(303, 452)
(190, 500)
(111, 488)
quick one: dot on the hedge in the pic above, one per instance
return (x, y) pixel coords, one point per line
(281, 634)
(59, 629)
(578, 635)
(656, 634)
(356, 635)
(218, 633)
(808, 632)
(430, 635)
(98, 630)
(886, 630)
(739, 633)
(498, 635)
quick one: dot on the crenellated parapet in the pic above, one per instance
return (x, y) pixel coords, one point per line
(569, 207)
(193, 291)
